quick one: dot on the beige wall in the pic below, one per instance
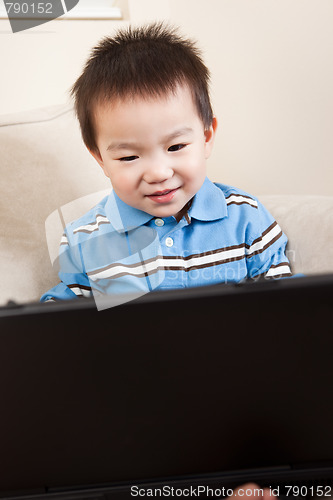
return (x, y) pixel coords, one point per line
(272, 69)
(272, 80)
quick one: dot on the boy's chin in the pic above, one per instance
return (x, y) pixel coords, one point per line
(166, 211)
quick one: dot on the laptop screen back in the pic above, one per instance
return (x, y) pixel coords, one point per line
(189, 382)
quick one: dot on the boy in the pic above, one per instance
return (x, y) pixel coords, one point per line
(145, 115)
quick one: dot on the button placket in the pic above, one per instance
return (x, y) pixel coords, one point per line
(169, 241)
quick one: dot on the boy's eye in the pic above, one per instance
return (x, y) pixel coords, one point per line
(176, 147)
(128, 158)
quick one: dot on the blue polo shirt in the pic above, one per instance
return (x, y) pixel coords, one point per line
(225, 236)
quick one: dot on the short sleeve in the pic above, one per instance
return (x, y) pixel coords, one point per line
(266, 247)
(74, 281)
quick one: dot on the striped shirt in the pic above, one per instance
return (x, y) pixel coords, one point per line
(225, 236)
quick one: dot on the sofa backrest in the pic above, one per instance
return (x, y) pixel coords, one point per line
(48, 177)
(308, 222)
(44, 165)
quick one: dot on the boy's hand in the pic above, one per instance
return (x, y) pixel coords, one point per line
(248, 488)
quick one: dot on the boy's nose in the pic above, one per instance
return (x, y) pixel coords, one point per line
(158, 173)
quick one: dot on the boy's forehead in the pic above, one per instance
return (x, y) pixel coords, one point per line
(181, 93)
(136, 115)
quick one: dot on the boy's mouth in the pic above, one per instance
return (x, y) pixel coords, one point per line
(163, 196)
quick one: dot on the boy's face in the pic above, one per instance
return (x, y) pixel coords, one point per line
(154, 150)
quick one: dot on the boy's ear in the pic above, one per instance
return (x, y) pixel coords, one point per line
(209, 137)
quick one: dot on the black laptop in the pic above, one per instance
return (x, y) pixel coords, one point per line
(180, 393)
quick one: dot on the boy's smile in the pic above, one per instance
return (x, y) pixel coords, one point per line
(154, 150)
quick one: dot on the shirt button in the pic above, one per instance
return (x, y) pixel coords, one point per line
(159, 222)
(169, 242)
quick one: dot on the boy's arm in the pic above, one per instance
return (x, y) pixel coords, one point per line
(74, 281)
(266, 247)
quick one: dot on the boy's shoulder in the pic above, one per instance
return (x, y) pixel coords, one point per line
(247, 213)
(91, 220)
(236, 196)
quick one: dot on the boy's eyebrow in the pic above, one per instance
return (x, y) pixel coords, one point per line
(121, 145)
(177, 133)
(130, 145)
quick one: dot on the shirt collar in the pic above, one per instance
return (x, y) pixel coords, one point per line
(208, 204)
(123, 217)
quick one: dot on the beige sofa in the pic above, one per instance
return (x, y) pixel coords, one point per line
(48, 178)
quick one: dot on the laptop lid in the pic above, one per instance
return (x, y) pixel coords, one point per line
(208, 382)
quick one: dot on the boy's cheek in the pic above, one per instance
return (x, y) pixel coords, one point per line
(123, 182)
(194, 169)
